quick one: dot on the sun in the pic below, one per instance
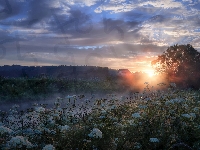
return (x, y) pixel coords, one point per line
(150, 73)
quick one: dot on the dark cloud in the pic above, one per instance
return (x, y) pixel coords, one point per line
(133, 24)
(158, 19)
(38, 11)
(67, 29)
(132, 15)
(10, 9)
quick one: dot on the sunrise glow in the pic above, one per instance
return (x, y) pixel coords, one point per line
(150, 73)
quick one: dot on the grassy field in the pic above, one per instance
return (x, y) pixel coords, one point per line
(18, 89)
(152, 119)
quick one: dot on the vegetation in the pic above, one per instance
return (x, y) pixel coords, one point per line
(181, 65)
(149, 120)
(13, 89)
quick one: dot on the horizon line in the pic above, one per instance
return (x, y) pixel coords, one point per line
(68, 66)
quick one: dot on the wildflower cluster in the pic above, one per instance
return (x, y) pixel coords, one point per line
(148, 120)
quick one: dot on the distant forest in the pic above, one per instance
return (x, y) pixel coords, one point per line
(62, 71)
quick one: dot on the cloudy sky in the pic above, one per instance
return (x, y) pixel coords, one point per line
(114, 33)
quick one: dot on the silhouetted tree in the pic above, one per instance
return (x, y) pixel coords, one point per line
(181, 64)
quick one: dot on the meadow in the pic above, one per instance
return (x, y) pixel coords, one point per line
(152, 119)
(41, 88)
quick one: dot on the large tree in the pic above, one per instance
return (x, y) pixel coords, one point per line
(181, 64)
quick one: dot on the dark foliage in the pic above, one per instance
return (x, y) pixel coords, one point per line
(181, 65)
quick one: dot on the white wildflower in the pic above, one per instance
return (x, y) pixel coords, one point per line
(185, 105)
(39, 109)
(123, 132)
(45, 130)
(173, 85)
(184, 124)
(172, 111)
(115, 141)
(186, 115)
(88, 141)
(147, 99)
(57, 103)
(69, 114)
(142, 106)
(196, 109)
(19, 142)
(11, 118)
(68, 97)
(136, 115)
(173, 101)
(131, 122)
(154, 140)
(15, 106)
(123, 98)
(193, 115)
(90, 118)
(103, 105)
(51, 121)
(156, 103)
(178, 100)
(56, 116)
(113, 118)
(96, 133)
(113, 107)
(103, 111)
(49, 147)
(137, 145)
(101, 124)
(102, 117)
(118, 124)
(4, 130)
(168, 102)
(64, 128)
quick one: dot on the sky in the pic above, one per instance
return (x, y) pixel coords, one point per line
(119, 34)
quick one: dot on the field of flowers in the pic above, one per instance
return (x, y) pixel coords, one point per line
(150, 120)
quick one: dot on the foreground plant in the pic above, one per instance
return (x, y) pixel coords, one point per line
(148, 120)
